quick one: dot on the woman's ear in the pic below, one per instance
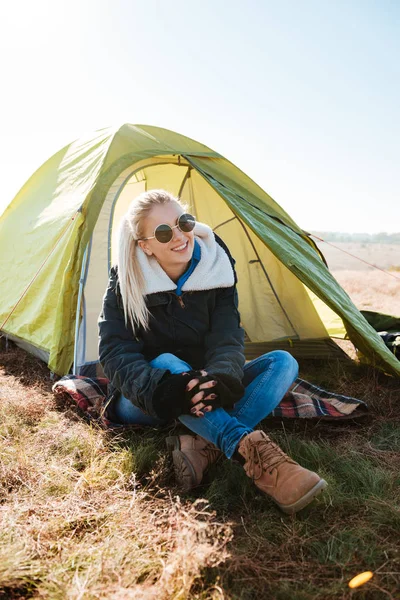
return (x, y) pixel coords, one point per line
(142, 244)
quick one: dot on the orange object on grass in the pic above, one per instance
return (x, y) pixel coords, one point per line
(360, 579)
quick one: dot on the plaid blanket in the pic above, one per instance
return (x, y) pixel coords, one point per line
(304, 400)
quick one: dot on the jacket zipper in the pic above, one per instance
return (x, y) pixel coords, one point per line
(181, 302)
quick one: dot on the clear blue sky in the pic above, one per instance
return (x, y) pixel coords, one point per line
(302, 95)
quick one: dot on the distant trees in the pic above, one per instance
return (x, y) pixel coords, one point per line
(361, 238)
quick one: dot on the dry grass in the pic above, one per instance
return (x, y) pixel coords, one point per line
(372, 290)
(369, 288)
(89, 515)
(86, 514)
(347, 255)
(76, 523)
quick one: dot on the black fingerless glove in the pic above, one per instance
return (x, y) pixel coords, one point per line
(228, 390)
(170, 397)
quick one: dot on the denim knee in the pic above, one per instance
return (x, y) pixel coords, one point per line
(287, 361)
(163, 361)
(170, 362)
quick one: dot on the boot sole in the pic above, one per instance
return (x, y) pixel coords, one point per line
(291, 509)
(185, 475)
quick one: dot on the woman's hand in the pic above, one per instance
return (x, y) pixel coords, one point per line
(199, 408)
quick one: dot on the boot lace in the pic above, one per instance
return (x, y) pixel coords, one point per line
(268, 455)
(211, 453)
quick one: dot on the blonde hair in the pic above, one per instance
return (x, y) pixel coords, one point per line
(130, 275)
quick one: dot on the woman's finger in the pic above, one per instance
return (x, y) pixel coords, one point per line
(201, 397)
(207, 384)
(192, 383)
(199, 407)
(197, 397)
(204, 410)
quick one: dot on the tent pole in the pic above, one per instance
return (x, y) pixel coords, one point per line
(78, 310)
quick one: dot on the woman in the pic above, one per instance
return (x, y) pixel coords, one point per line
(172, 346)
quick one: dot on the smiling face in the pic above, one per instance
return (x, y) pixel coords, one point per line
(174, 255)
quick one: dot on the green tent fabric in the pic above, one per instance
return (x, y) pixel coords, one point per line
(382, 322)
(57, 242)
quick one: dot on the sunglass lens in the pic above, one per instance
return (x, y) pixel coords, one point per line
(163, 233)
(186, 222)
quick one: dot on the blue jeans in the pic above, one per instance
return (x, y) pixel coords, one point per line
(266, 380)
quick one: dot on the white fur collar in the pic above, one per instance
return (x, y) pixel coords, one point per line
(213, 271)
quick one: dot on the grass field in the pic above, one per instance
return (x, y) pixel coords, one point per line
(87, 514)
(346, 256)
(369, 288)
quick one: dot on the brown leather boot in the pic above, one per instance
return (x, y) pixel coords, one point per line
(191, 455)
(288, 484)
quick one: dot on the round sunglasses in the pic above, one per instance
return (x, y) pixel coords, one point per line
(163, 233)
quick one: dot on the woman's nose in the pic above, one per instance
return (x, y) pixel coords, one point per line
(178, 234)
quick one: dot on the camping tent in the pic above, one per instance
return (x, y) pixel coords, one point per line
(57, 241)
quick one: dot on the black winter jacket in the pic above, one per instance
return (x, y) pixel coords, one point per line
(203, 329)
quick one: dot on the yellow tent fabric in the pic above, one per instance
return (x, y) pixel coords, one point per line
(75, 200)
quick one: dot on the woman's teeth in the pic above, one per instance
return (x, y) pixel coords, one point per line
(179, 248)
